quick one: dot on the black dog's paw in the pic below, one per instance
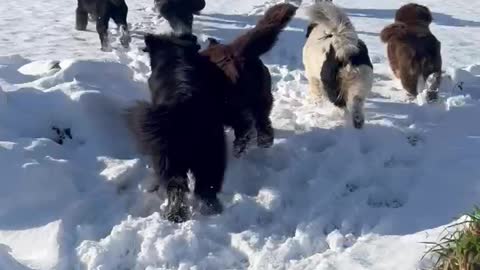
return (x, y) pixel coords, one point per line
(177, 215)
(358, 121)
(106, 48)
(105, 45)
(61, 134)
(239, 148)
(92, 18)
(125, 37)
(432, 96)
(177, 209)
(264, 140)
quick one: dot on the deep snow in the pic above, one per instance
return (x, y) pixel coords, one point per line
(325, 196)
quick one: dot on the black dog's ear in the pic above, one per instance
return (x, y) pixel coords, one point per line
(424, 14)
(212, 41)
(188, 40)
(310, 29)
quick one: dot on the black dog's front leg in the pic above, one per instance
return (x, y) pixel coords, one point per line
(177, 209)
(102, 30)
(119, 15)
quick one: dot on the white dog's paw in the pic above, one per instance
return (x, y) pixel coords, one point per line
(358, 120)
(314, 100)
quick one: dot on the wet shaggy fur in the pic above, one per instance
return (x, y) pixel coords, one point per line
(179, 13)
(249, 102)
(413, 51)
(181, 129)
(102, 11)
(337, 63)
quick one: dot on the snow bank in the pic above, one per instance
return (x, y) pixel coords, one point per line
(52, 174)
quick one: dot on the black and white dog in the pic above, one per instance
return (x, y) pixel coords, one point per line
(181, 129)
(337, 64)
(179, 13)
(102, 11)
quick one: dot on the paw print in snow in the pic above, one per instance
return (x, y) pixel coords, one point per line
(61, 134)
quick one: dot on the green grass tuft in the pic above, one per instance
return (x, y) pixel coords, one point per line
(459, 249)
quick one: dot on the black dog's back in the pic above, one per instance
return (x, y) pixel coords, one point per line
(182, 128)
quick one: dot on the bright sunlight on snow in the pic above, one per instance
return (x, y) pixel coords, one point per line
(326, 196)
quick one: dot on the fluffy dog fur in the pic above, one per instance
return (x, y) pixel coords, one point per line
(179, 13)
(249, 102)
(336, 61)
(182, 128)
(102, 11)
(413, 51)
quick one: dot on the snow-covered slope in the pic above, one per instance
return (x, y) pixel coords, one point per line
(325, 196)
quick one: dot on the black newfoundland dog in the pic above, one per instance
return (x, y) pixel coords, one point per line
(102, 11)
(181, 129)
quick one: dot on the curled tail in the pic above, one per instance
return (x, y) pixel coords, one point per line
(263, 36)
(394, 30)
(149, 126)
(337, 24)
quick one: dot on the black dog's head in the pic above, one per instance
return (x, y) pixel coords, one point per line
(413, 14)
(169, 46)
(170, 43)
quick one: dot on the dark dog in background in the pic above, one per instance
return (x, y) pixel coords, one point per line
(249, 102)
(102, 11)
(179, 13)
(181, 129)
(413, 51)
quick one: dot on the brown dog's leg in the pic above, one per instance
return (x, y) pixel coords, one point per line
(243, 129)
(261, 112)
(264, 129)
(409, 79)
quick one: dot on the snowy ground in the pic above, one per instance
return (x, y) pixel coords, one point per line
(325, 196)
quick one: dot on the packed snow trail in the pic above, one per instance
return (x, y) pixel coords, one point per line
(325, 196)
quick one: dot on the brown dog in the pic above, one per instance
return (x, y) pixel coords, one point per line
(249, 102)
(413, 51)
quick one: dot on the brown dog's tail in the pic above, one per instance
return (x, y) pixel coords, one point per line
(394, 30)
(263, 36)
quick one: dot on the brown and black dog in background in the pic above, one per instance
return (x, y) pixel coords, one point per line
(413, 51)
(249, 102)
